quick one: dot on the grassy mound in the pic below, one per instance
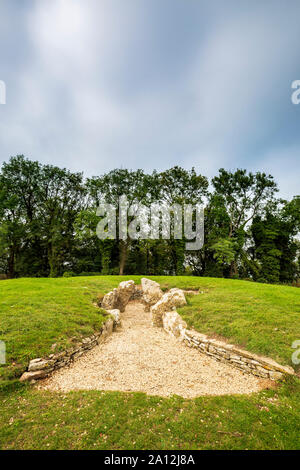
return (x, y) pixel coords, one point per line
(36, 313)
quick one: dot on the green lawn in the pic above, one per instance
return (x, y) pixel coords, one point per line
(262, 318)
(35, 313)
(32, 419)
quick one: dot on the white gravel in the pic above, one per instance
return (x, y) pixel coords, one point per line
(139, 357)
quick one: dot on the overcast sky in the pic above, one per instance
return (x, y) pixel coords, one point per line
(97, 84)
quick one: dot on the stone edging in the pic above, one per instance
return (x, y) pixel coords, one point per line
(41, 367)
(227, 353)
(164, 315)
(114, 302)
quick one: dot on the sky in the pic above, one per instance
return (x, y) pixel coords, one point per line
(94, 85)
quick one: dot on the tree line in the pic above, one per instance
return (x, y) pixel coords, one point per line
(48, 224)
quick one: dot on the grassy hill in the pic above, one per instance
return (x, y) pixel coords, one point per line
(35, 313)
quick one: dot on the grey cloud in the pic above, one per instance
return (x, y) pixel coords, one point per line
(97, 85)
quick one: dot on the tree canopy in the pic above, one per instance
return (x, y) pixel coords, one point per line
(48, 221)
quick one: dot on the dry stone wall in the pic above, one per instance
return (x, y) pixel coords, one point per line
(40, 368)
(248, 362)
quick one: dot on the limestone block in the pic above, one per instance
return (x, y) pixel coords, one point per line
(170, 300)
(173, 324)
(110, 300)
(124, 292)
(151, 292)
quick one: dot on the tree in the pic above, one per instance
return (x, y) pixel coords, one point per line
(244, 195)
(61, 198)
(38, 204)
(19, 184)
(275, 246)
(224, 251)
(135, 185)
(179, 186)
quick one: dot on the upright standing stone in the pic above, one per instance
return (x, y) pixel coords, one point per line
(151, 292)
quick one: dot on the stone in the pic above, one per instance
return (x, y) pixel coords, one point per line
(234, 357)
(86, 341)
(115, 313)
(173, 324)
(191, 292)
(137, 294)
(76, 355)
(124, 293)
(151, 292)
(275, 375)
(118, 298)
(38, 374)
(107, 328)
(39, 364)
(170, 300)
(110, 300)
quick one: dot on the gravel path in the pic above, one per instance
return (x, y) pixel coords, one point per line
(139, 357)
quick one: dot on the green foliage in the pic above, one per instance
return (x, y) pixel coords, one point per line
(48, 224)
(224, 251)
(38, 205)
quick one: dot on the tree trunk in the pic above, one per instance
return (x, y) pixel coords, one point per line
(123, 256)
(11, 264)
(53, 262)
(233, 269)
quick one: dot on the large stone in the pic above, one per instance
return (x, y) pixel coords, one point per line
(170, 300)
(110, 300)
(176, 297)
(151, 292)
(39, 364)
(124, 293)
(38, 374)
(119, 298)
(173, 324)
(115, 313)
(107, 328)
(137, 294)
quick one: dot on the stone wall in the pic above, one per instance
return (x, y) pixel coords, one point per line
(41, 367)
(248, 362)
(251, 363)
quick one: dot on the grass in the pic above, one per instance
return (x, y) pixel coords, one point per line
(35, 313)
(261, 318)
(32, 419)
